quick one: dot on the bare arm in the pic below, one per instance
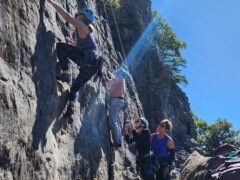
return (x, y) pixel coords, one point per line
(151, 137)
(170, 143)
(68, 17)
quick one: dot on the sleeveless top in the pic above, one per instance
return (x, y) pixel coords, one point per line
(159, 146)
(86, 43)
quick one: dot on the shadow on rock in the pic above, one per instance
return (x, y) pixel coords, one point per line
(91, 143)
(49, 106)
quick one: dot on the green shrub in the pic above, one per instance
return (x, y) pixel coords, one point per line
(212, 136)
(114, 3)
(170, 47)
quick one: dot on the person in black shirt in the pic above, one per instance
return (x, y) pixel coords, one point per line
(140, 135)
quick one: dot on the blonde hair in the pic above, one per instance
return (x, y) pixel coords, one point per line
(167, 123)
(91, 27)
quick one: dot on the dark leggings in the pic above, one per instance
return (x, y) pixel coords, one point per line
(83, 58)
(144, 165)
(159, 174)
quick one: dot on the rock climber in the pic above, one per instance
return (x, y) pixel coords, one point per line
(82, 51)
(140, 135)
(163, 148)
(116, 90)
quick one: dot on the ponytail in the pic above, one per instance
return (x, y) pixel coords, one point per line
(90, 26)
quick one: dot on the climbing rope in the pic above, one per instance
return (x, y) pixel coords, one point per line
(118, 32)
(116, 25)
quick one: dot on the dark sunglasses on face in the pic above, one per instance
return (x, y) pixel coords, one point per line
(162, 125)
(137, 121)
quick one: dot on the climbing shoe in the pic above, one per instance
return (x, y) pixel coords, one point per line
(70, 109)
(64, 77)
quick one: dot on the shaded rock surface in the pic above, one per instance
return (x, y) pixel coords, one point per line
(195, 167)
(159, 94)
(223, 166)
(36, 141)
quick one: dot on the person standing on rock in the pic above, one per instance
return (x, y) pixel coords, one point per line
(82, 51)
(163, 148)
(116, 90)
(140, 135)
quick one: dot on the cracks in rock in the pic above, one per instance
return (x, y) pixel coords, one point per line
(5, 161)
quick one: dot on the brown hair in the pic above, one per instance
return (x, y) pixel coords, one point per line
(167, 123)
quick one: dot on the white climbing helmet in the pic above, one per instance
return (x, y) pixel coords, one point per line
(88, 13)
(121, 73)
(144, 121)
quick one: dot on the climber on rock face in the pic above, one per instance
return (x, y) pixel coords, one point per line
(163, 148)
(81, 51)
(140, 135)
(116, 88)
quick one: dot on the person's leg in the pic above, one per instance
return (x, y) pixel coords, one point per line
(159, 174)
(114, 110)
(86, 73)
(166, 172)
(64, 53)
(148, 171)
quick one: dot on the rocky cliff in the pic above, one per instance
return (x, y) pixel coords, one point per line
(36, 141)
(159, 94)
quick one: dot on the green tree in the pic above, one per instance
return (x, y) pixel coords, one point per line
(202, 129)
(212, 136)
(170, 47)
(220, 133)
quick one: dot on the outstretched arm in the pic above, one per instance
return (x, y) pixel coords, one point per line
(67, 16)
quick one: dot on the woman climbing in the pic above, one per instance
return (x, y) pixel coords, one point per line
(140, 135)
(163, 148)
(82, 51)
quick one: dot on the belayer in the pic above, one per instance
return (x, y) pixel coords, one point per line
(140, 135)
(163, 148)
(82, 51)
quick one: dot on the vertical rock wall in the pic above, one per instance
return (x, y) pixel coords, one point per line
(36, 141)
(160, 96)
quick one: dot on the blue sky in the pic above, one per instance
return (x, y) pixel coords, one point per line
(211, 30)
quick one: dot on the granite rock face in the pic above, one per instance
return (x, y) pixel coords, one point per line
(131, 20)
(159, 94)
(36, 141)
(162, 98)
(195, 167)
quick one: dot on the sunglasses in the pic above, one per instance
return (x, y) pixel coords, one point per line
(162, 125)
(137, 121)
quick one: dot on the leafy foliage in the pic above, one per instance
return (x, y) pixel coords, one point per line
(202, 129)
(215, 135)
(170, 47)
(114, 3)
